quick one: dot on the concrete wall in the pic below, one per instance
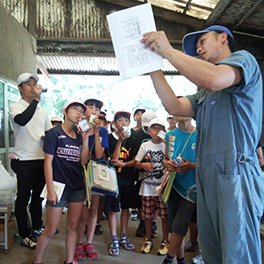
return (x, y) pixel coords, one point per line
(18, 48)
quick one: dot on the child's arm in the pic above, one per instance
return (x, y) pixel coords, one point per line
(186, 166)
(116, 153)
(118, 163)
(99, 150)
(51, 195)
(147, 166)
(85, 155)
(167, 162)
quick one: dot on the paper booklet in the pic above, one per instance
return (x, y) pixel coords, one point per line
(127, 28)
(59, 188)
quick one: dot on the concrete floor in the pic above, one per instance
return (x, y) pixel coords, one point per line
(55, 253)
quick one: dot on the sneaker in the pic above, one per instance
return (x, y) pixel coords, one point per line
(73, 262)
(154, 232)
(38, 232)
(164, 247)
(28, 242)
(140, 232)
(147, 246)
(198, 259)
(98, 229)
(114, 248)
(190, 247)
(134, 215)
(165, 261)
(126, 243)
(79, 252)
(90, 252)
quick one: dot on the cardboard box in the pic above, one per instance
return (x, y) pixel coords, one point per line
(10, 233)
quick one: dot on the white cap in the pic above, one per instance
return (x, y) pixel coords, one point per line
(139, 108)
(93, 99)
(156, 121)
(147, 117)
(24, 77)
(170, 116)
(71, 101)
(56, 119)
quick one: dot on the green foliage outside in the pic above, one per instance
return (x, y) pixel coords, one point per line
(116, 94)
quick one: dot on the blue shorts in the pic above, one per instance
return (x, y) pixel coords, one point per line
(69, 197)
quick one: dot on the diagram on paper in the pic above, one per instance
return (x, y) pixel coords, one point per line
(131, 28)
(127, 28)
(136, 55)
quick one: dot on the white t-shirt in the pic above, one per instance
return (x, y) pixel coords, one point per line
(148, 185)
(28, 142)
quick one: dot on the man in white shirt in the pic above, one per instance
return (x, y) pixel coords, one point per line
(29, 122)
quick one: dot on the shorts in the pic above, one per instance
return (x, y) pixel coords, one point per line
(180, 212)
(152, 203)
(69, 197)
(137, 199)
(124, 198)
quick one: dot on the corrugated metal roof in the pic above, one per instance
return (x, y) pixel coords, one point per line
(79, 27)
(88, 65)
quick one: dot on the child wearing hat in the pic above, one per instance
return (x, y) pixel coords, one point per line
(141, 136)
(56, 121)
(138, 112)
(65, 152)
(172, 120)
(151, 178)
(97, 142)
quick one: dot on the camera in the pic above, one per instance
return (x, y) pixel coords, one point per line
(44, 89)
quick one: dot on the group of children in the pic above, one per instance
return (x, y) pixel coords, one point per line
(140, 156)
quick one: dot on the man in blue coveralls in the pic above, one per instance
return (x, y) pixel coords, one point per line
(228, 111)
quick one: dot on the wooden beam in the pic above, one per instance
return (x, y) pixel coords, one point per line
(248, 14)
(218, 11)
(32, 18)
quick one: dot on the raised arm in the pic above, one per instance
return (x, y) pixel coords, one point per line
(203, 73)
(99, 150)
(173, 105)
(23, 118)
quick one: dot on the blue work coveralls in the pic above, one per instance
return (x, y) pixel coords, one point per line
(230, 184)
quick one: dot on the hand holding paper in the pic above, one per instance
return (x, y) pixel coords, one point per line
(58, 188)
(157, 41)
(127, 28)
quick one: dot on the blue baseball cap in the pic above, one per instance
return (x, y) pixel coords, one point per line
(190, 40)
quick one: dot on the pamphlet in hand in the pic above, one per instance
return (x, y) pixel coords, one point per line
(58, 187)
(127, 28)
